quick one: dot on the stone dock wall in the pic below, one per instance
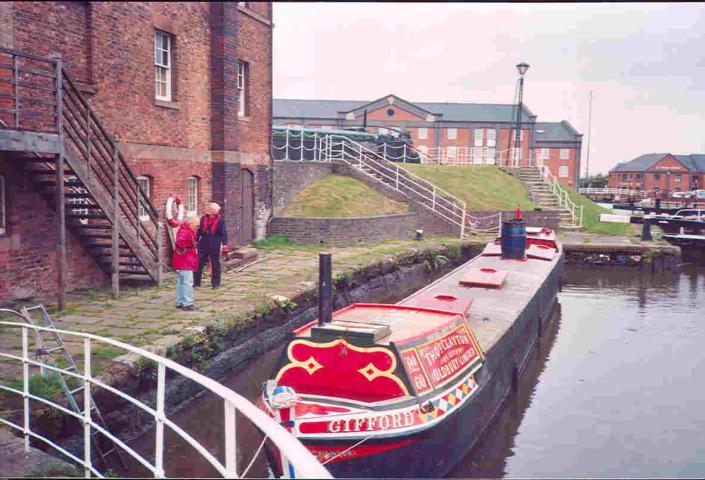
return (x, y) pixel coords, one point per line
(643, 257)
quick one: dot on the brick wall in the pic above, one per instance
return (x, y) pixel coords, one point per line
(554, 162)
(345, 231)
(108, 48)
(292, 177)
(28, 249)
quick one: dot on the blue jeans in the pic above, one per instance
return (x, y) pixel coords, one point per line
(184, 288)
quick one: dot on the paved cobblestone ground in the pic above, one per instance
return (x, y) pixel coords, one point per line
(148, 316)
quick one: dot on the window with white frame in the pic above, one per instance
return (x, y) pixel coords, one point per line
(563, 171)
(423, 133)
(543, 153)
(3, 208)
(242, 81)
(491, 137)
(565, 154)
(162, 65)
(477, 137)
(192, 199)
(145, 184)
(452, 133)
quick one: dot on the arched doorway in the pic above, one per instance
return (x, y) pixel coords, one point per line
(247, 207)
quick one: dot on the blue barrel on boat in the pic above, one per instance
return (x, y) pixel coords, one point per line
(513, 238)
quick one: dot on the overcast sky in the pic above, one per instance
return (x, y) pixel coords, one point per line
(644, 62)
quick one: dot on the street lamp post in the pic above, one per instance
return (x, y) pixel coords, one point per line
(521, 68)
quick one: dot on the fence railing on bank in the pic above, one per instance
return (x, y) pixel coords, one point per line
(560, 192)
(229, 463)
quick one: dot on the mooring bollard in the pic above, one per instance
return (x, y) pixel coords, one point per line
(646, 230)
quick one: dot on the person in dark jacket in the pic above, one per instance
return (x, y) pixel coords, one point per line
(212, 236)
(185, 262)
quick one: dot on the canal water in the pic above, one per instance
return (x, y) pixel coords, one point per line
(613, 389)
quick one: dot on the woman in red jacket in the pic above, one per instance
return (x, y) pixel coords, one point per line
(185, 262)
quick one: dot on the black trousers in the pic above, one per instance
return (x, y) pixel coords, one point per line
(203, 257)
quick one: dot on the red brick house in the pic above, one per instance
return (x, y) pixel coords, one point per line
(476, 131)
(660, 174)
(182, 89)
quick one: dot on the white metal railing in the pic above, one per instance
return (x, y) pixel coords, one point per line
(560, 192)
(611, 191)
(304, 463)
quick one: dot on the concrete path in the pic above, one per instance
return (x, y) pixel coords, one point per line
(148, 317)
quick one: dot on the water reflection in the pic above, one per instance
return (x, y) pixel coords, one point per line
(618, 395)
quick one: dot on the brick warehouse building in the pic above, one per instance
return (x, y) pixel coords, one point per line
(184, 89)
(660, 174)
(450, 128)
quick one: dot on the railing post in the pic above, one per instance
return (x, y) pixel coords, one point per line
(116, 224)
(301, 146)
(499, 226)
(404, 153)
(159, 419)
(160, 252)
(397, 176)
(286, 145)
(462, 224)
(25, 387)
(384, 150)
(581, 215)
(230, 441)
(87, 407)
(60, 195)
(16, 79)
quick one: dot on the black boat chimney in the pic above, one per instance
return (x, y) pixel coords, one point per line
(325, 289)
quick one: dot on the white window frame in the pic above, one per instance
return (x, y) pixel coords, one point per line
(192, 195)
(242, 87)
(141, 210)
(3, 207)
(565, 153)
(563, 171)
(452, 133)
(544, 153)
(162, 70)
(477, 137)
(423, 133)
(491, 137)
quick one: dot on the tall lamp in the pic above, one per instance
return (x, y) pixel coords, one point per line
(521, 68)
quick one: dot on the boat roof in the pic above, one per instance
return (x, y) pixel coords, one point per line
(490, 311)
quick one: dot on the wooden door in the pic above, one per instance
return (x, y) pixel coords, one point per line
(247, 208)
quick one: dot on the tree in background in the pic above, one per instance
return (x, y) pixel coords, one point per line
(594, 181)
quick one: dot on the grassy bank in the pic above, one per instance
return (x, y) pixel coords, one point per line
(482, 188)
(591, 217)
(341, 196)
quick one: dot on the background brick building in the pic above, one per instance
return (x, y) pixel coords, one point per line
(450, 128)
(184, 89)
(660, 174)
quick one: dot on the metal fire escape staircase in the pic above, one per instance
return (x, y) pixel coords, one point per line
(78, 168)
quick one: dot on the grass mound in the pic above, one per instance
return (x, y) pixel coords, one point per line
(340, 196)
(481, 187)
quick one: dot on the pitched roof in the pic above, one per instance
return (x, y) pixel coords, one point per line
(639, 164)
(695, 162)
(453, 112)
(554, 132)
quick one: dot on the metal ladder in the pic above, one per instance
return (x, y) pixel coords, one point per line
(54, 348)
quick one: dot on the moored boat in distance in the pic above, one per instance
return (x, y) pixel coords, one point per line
(405, 390)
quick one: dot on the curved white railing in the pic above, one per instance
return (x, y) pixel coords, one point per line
(305, 464)
(559, 191)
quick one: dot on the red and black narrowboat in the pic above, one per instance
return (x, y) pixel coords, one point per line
(405, 390)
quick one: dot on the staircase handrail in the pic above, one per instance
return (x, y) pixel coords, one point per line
(562, 194)
(426, 190)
